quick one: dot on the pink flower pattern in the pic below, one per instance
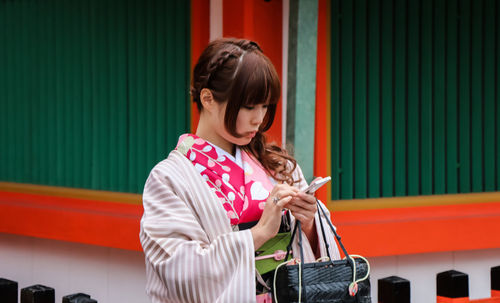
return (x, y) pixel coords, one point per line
(242, 191)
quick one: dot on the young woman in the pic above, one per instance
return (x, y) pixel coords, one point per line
(224, 191)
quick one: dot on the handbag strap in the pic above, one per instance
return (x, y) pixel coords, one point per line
(297, 226)
(349, 259)
(288, 249)
(289, 246)
(300, 264)
(327, 246)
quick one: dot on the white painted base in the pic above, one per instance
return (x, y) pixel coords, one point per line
(421, 270)
(113, 275)
(108, 275)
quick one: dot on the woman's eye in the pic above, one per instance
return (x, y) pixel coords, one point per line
(265, 106)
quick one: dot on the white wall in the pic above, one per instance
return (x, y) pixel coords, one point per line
(106, 274)
(113, 275)
(421, 270)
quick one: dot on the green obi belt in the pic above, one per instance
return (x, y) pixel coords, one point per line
(272, 253)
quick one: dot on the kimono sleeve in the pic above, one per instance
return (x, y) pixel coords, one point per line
(182, 264)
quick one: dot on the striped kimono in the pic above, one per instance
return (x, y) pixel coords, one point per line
(192, 254)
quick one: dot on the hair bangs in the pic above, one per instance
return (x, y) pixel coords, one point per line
(255, 82)
(261, 82)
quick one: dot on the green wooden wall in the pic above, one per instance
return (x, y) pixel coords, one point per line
(415, 97)
(92, 93)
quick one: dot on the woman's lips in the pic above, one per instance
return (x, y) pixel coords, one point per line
(251, 134)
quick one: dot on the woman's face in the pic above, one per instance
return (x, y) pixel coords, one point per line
(247, 123)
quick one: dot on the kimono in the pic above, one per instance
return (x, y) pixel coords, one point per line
(192, 253)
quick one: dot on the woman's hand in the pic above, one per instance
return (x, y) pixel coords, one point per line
(303, 207)
(270, 221)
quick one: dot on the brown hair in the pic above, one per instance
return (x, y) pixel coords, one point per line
(237, 71)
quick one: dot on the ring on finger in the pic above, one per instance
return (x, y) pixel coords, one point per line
(276, 199)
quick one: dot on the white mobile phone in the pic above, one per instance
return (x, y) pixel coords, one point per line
(314, 186)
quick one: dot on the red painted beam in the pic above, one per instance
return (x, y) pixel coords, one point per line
(440, 299)
(69, 219)
(377, 232)
(412, 230)
(486, 300)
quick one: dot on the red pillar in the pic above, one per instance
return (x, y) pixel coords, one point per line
(322, 122)
(260, 21)
(200, 35)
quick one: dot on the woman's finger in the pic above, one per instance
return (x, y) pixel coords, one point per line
(297, 210)
(302, 216)
(281, 193)
(299, 203)
(283, 202)
(306, 197)
(281, 187)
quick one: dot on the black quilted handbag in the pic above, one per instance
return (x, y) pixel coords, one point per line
(322, 282)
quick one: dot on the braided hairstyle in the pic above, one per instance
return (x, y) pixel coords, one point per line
(237, 71)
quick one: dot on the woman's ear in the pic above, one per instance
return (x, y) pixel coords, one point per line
(207, 99)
